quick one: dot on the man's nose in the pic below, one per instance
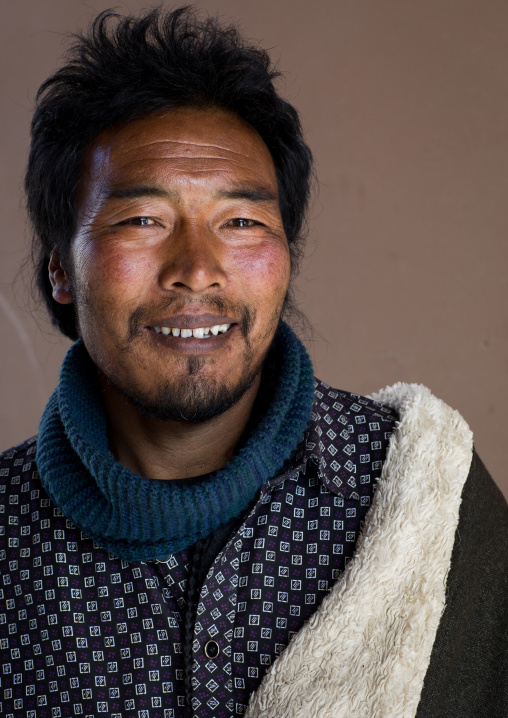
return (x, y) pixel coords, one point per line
(193, 260)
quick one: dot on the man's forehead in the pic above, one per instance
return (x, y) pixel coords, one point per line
(185, 141)
(183, 132)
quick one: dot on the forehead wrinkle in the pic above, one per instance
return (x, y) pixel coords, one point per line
(176, 166)
(224, 152)
(186, 142)
(173, 158)
(197, 170)
(205, 144)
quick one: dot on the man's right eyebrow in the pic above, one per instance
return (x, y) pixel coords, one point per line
(137, 192)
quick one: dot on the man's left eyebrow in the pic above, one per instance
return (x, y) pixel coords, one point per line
(252, 194)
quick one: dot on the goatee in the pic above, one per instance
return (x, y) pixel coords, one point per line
(193, 400)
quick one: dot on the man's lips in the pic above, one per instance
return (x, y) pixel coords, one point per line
(192, 321)
(198, 340)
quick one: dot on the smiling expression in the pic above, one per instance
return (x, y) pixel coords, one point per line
(179, 266)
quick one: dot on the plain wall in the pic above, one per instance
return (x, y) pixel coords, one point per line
(405, 106)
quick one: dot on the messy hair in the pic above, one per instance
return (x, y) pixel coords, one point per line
(124, 68)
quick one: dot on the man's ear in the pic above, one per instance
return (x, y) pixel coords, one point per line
(60, 281)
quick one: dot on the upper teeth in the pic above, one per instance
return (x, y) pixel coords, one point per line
(199, 333)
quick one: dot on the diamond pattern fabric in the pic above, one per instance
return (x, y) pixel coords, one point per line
(83, 632)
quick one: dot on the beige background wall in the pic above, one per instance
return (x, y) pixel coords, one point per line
(406, 108)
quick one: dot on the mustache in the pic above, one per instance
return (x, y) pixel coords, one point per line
(144, 314)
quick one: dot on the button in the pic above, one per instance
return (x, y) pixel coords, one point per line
(212, 649)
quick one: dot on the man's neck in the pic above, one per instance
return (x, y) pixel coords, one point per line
(174, 450)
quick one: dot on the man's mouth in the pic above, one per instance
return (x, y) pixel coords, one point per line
(198, 332)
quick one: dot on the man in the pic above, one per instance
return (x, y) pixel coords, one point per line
(201, 528)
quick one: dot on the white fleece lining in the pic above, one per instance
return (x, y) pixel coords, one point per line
(365, 651)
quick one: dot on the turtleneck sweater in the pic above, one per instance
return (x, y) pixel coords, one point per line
(138, 518)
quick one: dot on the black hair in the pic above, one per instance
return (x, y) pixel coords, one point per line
(127, 67)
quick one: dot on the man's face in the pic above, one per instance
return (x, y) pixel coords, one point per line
(180, 264)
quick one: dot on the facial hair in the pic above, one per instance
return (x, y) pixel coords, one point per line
(195, 398)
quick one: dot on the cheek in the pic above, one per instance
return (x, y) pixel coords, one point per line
(265, 272)
(108, 270)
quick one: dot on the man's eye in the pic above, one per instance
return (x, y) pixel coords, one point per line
(242, 222)
(139, 221)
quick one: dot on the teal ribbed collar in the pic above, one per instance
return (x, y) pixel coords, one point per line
(138, 518)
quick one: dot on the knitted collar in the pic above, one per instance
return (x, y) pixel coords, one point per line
(138, 518)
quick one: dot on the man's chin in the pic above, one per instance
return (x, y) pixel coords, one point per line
(195, 400)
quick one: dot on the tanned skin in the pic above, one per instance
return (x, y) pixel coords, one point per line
(179, 226)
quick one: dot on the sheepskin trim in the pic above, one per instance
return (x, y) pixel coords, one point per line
(367, 648)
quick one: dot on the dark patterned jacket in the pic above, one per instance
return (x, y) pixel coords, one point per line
(84, 633)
